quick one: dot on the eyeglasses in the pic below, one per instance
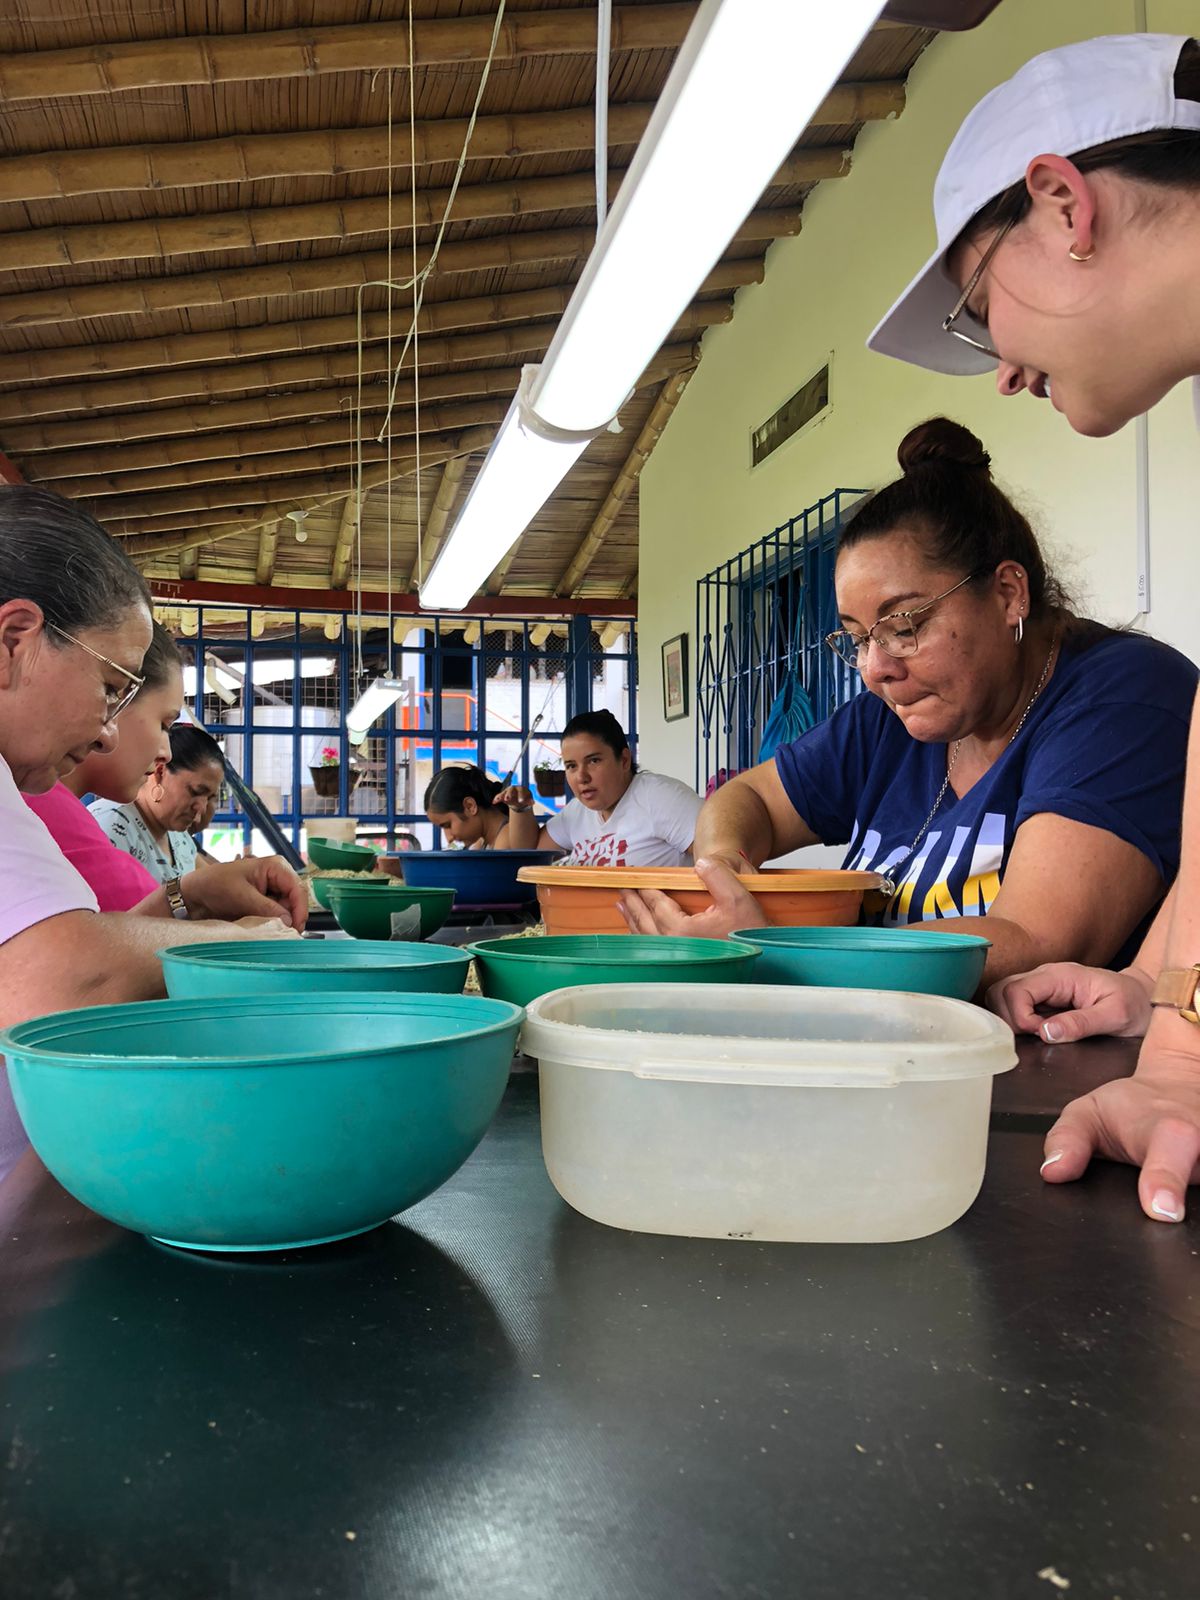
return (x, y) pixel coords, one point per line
(114, 701)
(960, 305)
(896, 635)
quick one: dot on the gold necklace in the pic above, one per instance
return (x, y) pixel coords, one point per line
(890, 887)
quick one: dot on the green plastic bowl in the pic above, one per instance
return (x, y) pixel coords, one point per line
(907, 959)
(365, 911)
(336, 857)
(244, 1124)
(298, 966)
(519, 970)
(320, 885)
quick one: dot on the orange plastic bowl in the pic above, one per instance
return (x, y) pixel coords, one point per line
(584, 899)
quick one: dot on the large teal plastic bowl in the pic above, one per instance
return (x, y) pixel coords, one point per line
(257, 1124)
(906, 959)
(519, 969)
(298, 966)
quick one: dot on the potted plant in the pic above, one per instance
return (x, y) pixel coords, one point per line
(326, 773)
(549, 780)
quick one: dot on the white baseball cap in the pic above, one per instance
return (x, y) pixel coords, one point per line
(1060, 103)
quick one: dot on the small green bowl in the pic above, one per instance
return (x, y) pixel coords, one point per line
(335, 857)
(320, 885)
(365, 910)
(906, 959)
(527, 968)
(298, 966)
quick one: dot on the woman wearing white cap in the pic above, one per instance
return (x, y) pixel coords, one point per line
(1068, 227)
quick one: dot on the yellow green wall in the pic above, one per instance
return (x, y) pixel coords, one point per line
(863, 238)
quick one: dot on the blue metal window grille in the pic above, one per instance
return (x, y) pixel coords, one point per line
(759, 616)
(275, 688)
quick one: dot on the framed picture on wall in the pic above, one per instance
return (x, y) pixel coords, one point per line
(675, 678)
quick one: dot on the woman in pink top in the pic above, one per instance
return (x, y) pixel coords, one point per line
(118, 881)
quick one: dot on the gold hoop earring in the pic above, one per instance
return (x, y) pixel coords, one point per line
(1081, 259)
(157, 794)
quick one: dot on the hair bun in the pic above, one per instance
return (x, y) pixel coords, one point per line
(939, 443)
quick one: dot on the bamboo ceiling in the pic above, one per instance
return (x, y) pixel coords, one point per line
(192, 192)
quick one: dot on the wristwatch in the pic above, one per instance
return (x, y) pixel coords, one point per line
(1176, 987)
(175, 899)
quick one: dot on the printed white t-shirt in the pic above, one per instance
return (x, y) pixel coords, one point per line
(653, 825)
(38, 882)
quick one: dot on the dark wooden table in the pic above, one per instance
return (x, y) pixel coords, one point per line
(497, 1398)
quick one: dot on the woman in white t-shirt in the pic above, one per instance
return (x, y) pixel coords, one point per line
(620, 817)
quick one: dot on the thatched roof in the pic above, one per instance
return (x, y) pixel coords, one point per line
(187, 209)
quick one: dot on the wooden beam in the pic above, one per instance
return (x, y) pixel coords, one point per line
(192, 530)
(624, 483)
(124, 426)
(166, 591)
(189, 563)
(248, 158)
(205, 457)
(158, 238)
(439, 518)
(528, 340)
(310, 333)
(495, 583)
(309, 52)
(268, 543)
(491, 252)
(343, 544)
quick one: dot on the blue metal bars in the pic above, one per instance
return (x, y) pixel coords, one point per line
(760, 616)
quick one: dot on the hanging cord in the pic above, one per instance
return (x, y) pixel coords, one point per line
(417, 283)
(414, 330)
(420, 279)
(603, 52)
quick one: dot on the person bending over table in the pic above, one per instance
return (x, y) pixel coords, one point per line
(74, 630)
(1068, 230)
(1015, 770)
(475, 811)
(155, 826)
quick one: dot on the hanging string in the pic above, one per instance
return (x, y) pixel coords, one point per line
(603, 51)
(414, 330)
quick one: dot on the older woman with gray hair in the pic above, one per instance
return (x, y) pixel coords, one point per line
(74, 626)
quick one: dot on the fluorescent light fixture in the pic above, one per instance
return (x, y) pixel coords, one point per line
(371, 705)
(746, 82)
(266, 670)
(524, 466)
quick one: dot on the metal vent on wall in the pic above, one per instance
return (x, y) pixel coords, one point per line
(807, 402)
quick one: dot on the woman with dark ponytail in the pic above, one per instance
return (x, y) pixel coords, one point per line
(1015, 770)
(478, 812)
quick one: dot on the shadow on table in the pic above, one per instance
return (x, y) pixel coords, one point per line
(161, 1403)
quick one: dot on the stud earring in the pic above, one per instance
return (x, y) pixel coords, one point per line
(1081, 259)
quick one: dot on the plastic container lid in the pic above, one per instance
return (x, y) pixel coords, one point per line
(731, 1033)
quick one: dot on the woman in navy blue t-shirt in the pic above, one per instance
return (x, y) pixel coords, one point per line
(1011, 761)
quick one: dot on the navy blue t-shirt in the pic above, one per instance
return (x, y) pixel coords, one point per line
(1105, 744)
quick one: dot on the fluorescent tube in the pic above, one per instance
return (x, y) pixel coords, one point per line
(746, 82)
(519, 474)
(370, 706)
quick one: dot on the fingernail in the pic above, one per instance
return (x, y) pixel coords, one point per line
(1164, 1205)
(1051, 1032)
(1050, 1160)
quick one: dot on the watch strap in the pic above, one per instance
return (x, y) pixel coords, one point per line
(1176, 987)
(175, 899)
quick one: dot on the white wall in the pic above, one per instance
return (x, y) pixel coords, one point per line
(863, 238)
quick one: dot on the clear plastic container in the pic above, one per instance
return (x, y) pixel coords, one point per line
(742, 1112)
